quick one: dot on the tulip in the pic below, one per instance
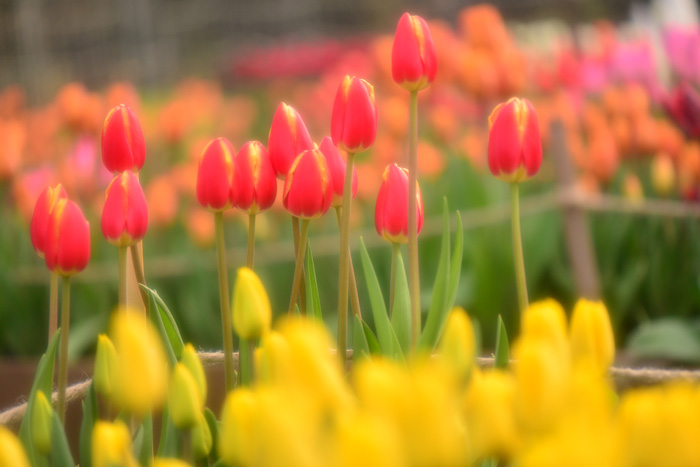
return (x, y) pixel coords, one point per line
(591, 335)
(683, 106)
(237, 422)
(123, 146)
(336, 167)
(663, 175)
(215, 176)
(42, 418)
(354, 118)
(390, 212)
(191, 361)
(162, 462)
(105, 362)
(12, 452)
(185, 401)
(111, 445)
(125, 213)
(546, 320)
(202, 439)
(413, 55)
(458, 346)
(67, 250)
(308, 188)
(288, 138)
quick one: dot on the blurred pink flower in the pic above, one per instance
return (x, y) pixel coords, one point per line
(634, 62)
(682, 46)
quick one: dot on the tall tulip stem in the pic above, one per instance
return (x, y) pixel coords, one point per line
(395, 252)
(226, 326)
(140, 277)
(302, 292)
(343, 274)
(414, 277)
(354, 296)
(63, 349)
(298, 269)
(251, 241)
(53, 305)
(122, 276)
(520, 280)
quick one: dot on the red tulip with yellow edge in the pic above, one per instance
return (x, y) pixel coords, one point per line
(215, 176)
(413, 55)
(288, 138)
(255, 185)
(40, 218)
(354, 118)
(125, 213)
(67, 250)
(391, 210)
(123, 146)
(336, 166)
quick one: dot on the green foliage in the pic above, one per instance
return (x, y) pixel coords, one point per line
(313, 301)
(502, 355)
(90, 416)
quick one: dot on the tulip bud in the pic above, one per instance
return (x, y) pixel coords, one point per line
(161, 462)
(67, 249)
(251, 306)
(40, 218)
(255, 185)
(308, 188)
(413, 56)
(515, 148)
(663, 175)
(391, 210)
(42, 416)
(591, 334)
(123, 147)
(274, 363)
(336, 167)
(215, 176)
(11, 450)
(105, 361)
(111, 445)
(354, 118)
(191, 361)
(632, 188)
(184, 401)
(288, 138)
(546, 320)
(202, 440)
(125, 213)
(237, 422)
(458, 347)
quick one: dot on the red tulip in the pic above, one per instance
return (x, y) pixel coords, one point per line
(354, 118)
(391, 211)
(40, 219)
(215, 176)
(123, 147)
(413, 56)
(255, 185)
(125, 213)
(683, 106)
(515, 148)
(288, 138)
(67, 239)
(308, 188)
(336, 167)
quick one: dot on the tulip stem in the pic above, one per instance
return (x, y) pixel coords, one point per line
(354, 296)
(251, 241)
(140, 277)
(520, 280)
(122, 276)
(226, 326)
(413, 274)
(302, 293)
(246, 352)
(63, 350)
(344, 260)
(187, 445)
(53, 305)
(395, 252)
(299, 268)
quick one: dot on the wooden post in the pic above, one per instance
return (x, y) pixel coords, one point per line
(578, 236)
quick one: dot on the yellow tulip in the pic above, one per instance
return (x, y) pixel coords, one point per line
(546, 320)
(367, 440)
(202, 440)
(169, 463)
(273, 363)
(251, 306)
(457, 346)
(111, 445)
(592, 335)
(191, 360)
(184, 399)
(236, 433)
(105, 362)
(11, 451)
(42, 419)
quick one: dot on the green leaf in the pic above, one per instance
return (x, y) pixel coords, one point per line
(214, 428)
(43, 381)
(667, 338)
(297, 313)
(372, 341)
(168, 436)
(455, 272)
(90, 415)
(502, 349)
(60, 451)
(401, 314)
(145, 453)
(172, 333)
(313, 301)
(360, 346)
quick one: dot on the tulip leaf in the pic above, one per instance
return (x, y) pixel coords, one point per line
(166, 325)
(145, 453)
(401, 314)
(60, 451)
(455, 272)
(360, 346)
(502, 349)
(168, 436)
(43, 381)
(90, 415)
(214, 428)
(313, 301)
(372, 341)
(297, 313)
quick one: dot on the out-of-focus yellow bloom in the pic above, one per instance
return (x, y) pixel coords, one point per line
(546, 320)
(632, 188)
(11, 451)
(141, 372)
(105, 361)
(591, 334)
(159, 462)
(184, 399)
(273, 359)
(236, 434)
(111, 445)
(368, 441)
(457, 347)
(42, 416)
(202, 440)
(663, 175)
(251, 306)
(191, 361)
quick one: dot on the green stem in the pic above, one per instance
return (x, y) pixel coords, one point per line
(298, 269)
(520, 280)
(251, 241)
(413, 274)
(53, 305)
(226, 326)
(354, 296)
(122, 276)
(246, 353)
(302, 293)
(140, 277)
(63, 350)
(344, 272)
(395, 251)
(187, 455)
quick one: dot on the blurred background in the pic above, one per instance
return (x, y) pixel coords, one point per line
(612, 214)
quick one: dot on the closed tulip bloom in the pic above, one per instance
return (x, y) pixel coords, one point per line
(215, 176)
(192, 362)
(123, 146)
(125, 213)
(11, 450)
(308, 188)
(67, 239)
(413, 56)
(185, 402)
(288, 138)
(592, 337)
(336, 166)
(41, 416)
(251, 306)
(105, 362)
(255, 185)
(111, 445)
(40, 218)
(354, 118)
(391, 210)
(515, 148)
